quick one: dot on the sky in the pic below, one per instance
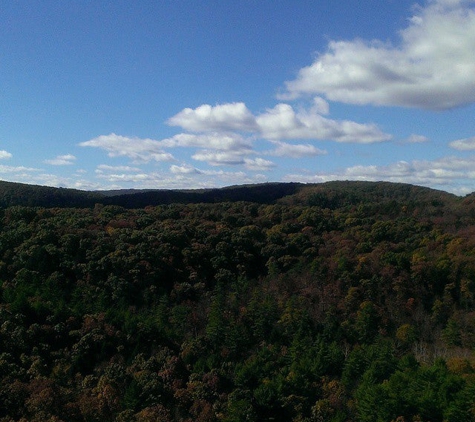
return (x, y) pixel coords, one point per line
(188, 94)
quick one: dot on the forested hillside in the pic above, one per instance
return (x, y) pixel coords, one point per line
(326, 195)
(337, 302)
(12, 194)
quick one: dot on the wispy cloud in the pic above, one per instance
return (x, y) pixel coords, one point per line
(258, 164)
(219, 158)
(31, 175)
(217, 140)
(16, 170)
(184, 169)
(126, 177)
(442, 172)
(180, 177)
(467, 144)
(137, 149)
(284, 149)
(432, 67)
(102, 168)
(62, 160)
(416, 139)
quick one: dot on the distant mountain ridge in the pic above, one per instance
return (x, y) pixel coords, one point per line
(331, 195)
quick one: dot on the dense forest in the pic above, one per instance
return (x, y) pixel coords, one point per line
(43, 196)
(345, 301)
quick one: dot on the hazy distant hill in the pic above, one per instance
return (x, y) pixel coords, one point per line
(12, 194)
(262, 193)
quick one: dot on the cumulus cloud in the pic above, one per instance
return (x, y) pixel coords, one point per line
(223, 117)
(280, 122)
(62, 160)
(4, 155)
(284, 149)
(216, 140)
(138, 150)
(432, 66)
(466, 144)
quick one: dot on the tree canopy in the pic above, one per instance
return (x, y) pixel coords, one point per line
(340, 302)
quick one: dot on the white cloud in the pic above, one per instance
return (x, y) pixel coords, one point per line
(467, 144)
(62, 160)
(454, 163)
(123, 177)
(101, 168)
(20, 169)
(179, 178)
(431, 68)
(416, 139)
(223, 117)
(450, 173)
(48, 179)
(219, 158)
(5, 155)
(36, 176)
(258, 164)
(218, 141)
(139, 150)
(184, 169)
(320, 106)
(82, 185)
(282, 122)
(236, 177)
(284, 149)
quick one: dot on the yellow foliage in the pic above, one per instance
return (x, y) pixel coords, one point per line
(460, 366)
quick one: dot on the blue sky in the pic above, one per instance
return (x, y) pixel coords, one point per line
(210, 93)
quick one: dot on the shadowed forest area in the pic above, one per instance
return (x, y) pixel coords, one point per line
(344, 301)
